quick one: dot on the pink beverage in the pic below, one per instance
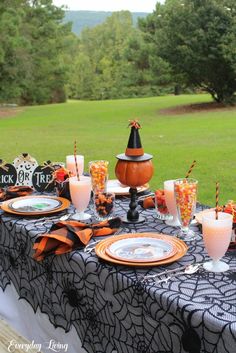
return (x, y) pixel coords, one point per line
(217, 233)
(80, 191)
(216, 236)
(70, 164)
(170, 202)
(170, 197)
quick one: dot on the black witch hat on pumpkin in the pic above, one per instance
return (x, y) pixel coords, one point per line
(134, 149)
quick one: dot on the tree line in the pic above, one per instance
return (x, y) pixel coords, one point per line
(184, 45)
(32, 46)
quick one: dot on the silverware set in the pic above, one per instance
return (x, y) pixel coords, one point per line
(169, 274)
(52, 218)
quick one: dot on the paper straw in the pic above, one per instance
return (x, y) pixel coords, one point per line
(190, 169)
(217, 198)
(76, 164)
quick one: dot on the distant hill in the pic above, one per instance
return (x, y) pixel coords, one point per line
(82, 19)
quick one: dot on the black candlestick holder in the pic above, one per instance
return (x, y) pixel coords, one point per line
(132, 214)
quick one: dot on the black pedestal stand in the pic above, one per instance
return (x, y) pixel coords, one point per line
(132, 214)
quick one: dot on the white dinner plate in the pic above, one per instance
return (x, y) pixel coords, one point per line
(35, 204)
(143, 249)
(117, 188)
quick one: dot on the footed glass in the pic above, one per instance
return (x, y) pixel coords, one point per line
(185, 197)
(80, 191)
(216, 236)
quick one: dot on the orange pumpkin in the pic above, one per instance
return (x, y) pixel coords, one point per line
(133, 173)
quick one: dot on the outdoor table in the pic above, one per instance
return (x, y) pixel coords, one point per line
(110, 308)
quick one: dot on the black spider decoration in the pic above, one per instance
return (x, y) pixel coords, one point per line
(70, 293)
(142, 347)
(12, 261)
(139, 287)
(92, 319)
(190, 339)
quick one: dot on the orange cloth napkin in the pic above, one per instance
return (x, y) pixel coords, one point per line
(65, 236)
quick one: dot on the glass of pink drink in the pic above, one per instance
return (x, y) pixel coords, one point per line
(186, 198)
(70, 163)
(216, 236)
(80, 191)
(170, 203)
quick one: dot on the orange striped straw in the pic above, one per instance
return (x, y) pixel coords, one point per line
(217, 198)
(76, 164)
(190, 169)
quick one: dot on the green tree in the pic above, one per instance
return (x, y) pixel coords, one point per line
(12, 51)
(46, 34)
(101, 69)
(148, 74)
(33, 67)
(197, 38)
(113, 61)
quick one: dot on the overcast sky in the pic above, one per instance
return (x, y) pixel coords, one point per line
(109, 5)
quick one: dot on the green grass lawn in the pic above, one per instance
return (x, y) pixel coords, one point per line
(100, 128)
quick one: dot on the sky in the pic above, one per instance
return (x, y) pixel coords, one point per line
(109, 5)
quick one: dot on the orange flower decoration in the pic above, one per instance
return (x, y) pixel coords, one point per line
(134, 123)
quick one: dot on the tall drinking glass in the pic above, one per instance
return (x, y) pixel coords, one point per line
(80, 191)
(70, 163)
(170, 203)
(99, 175)
(216, 236)
(186, 198)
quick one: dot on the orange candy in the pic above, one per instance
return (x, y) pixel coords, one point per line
(99, 175)
(185, 201)
(160, 201)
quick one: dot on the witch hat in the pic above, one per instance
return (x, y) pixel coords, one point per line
(134, 150)
(134, 147)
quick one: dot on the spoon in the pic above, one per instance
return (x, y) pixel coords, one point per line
(189, 269)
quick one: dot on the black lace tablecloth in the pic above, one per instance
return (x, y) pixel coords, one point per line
(111, 309)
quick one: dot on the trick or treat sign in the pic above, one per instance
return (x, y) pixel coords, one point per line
(8, 174)
(25, 171)
(43, 177)
(25, 166)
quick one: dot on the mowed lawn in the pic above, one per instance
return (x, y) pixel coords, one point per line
(100, 128)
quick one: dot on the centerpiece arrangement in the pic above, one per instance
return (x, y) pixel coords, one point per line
(134, 168)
